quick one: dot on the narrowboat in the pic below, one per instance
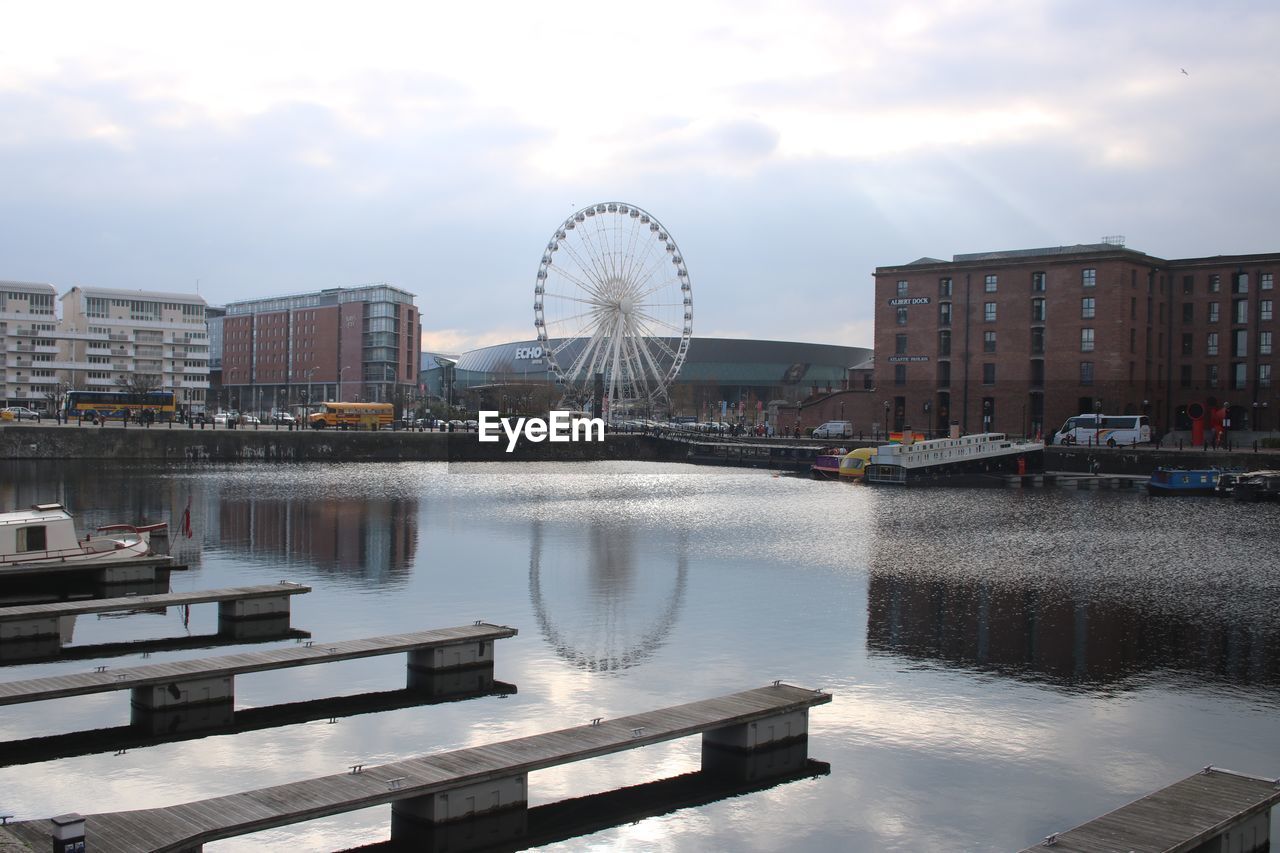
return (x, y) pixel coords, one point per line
(1181, 481)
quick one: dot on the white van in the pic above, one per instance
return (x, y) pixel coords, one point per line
(834, 429)
(1111, 430)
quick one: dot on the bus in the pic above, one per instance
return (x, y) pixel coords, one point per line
(118, 405)
(352, 416)
(1111, 430)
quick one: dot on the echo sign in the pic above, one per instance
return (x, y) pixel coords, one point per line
(562, 426)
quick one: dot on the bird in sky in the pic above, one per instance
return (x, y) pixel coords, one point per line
(1184, 71)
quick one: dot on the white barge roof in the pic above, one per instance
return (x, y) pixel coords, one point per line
(39, 512)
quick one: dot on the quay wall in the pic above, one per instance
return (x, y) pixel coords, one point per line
(160, 443)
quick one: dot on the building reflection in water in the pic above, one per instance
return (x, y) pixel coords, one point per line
(1062, 637)
(375, 538)
(607, 607)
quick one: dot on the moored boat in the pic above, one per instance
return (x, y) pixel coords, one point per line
(46, 533)
(854, 464)
(980, 459)
(1257, 486)
(1181, 481)
(826, 465)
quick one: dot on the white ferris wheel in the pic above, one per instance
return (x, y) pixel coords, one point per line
(613, 300)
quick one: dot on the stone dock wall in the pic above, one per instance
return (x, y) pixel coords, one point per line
(160, 443)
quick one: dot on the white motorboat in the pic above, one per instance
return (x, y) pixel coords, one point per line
(46, 533)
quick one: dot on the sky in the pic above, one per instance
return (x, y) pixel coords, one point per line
(247, 149)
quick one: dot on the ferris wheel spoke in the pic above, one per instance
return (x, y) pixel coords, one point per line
(642, 346)
(598, 254)
(657, 341)
(637, 347)
(568, 338)
(568, 342)
(591, 302)
(649, 263)
(560, 320)
(586, 285)
(633, 246)
(594, 283)
(589, 266)
(599, 357)
(640, 297)
(660, 322)
(592, 343)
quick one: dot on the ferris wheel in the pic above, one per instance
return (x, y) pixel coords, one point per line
(612, 299)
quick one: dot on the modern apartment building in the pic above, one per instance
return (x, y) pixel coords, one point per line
(145, 339)
(105, 339)
(1018, 341)
(29, 360)
(344, 343)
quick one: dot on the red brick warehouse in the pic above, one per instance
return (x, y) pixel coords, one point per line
(1018, 341)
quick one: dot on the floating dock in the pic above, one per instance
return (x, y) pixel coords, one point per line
(174, 684)
(444, 788)
(1214, 810)
(30, 621)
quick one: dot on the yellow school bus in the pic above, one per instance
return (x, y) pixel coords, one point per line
(352, 416)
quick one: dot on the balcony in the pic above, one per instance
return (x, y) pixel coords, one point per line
(118, 337)
(96, 382)
(193, 383)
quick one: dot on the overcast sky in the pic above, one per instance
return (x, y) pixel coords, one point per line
(790, 148)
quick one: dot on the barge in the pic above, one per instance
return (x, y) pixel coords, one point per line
(980, 459)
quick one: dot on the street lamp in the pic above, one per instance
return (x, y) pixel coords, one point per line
(886, 420)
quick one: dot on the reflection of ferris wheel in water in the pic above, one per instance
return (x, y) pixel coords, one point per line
(601, 611)
(613, 299)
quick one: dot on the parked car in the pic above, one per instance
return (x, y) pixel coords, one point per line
(22, 413)
(283, 418)
(834, 429)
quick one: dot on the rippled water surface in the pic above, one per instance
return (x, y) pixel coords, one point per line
(1004, 664)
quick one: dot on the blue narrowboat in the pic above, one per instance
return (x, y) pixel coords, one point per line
(1181, 481)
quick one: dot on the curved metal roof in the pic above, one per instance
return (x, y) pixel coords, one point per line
(718, 360)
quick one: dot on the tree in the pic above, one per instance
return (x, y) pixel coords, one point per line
(56, 394)
(139, 383)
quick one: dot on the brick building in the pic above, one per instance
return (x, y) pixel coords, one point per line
(345, 343)
(1018, 341)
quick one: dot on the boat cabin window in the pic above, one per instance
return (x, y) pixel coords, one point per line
(32, 538)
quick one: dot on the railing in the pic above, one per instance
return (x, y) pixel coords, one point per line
(114, 337)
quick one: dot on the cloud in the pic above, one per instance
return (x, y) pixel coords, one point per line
(789, 152)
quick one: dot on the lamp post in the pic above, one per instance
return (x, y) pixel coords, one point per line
(928, 424)
(886, 420)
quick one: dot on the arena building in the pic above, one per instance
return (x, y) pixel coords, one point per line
(722, 378)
